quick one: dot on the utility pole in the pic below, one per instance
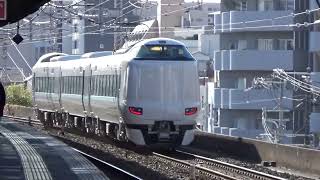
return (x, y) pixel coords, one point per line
(30, 30)
(59, 27)
(101, 45)
(306, 114)
(281, 123)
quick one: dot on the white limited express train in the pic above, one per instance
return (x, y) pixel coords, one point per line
(147, 95)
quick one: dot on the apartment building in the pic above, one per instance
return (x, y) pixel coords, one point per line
(250, 39)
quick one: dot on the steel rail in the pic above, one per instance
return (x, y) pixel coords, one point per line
(242, 171)
(196, 166)
(126, 174)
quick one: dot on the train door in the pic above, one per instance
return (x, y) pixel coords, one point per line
(86, 88)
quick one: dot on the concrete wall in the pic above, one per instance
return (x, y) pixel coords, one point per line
(292, 157)
(253, 60)
(253, 99)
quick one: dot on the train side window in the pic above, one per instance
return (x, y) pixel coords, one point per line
(41, 84)
(65, 81)
(48, 83)
(99, 85)
(38, 84)
(76, 85)
(103, 85)
(110, 85)
(114, 80)
(68, 85)
(40, 89)
(51, 85)
(72, 85)
(64, 85)
(93, 85)
(107, 85)
(74, 80)
(79, 85)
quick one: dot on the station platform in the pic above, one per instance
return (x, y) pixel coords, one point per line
(28, 154)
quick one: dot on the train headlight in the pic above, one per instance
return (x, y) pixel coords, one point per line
(190, 111)
(136, 110)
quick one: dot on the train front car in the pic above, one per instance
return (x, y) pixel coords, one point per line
(162, 99)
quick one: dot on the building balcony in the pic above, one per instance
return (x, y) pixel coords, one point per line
(314, 45)
(254, 99)
(258, 60)
(239, 21)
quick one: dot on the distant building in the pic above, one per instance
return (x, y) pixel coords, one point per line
(97, 31)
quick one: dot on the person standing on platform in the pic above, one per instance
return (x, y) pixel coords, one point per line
(2, 99)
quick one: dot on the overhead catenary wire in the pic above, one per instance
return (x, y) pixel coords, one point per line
(290, 25)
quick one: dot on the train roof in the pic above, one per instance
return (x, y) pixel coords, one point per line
(97, 54)
(65, 58)
(157, 41)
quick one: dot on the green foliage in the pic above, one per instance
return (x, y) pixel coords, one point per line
(18, 95)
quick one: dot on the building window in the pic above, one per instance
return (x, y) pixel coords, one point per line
(233, 45)
(265, 5)
(75, 28)
(210, 9)
(242, 44)
(286, 5)
(243, 6)
(241, 83)
(265, 44)
(286, 44)
(75, 44)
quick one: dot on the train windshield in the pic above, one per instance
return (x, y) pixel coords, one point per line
(164, 52)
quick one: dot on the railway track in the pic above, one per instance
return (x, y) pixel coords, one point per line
(113, 172)
(196, 167)
(214, 168)
(197, 164)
